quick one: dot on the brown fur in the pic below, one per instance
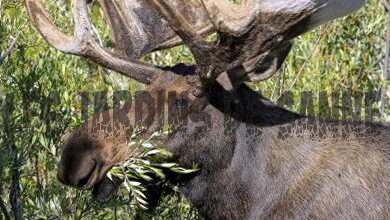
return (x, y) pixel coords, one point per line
(249, 171)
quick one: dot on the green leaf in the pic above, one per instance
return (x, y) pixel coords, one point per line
(147, 145)
(153, 152)
(168, 165)
(158, 172)
(134, 183)
(181, 170)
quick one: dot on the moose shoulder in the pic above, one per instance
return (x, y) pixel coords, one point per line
(256, 160)
(249, 170)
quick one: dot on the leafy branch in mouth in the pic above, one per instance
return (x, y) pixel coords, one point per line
(148, 166)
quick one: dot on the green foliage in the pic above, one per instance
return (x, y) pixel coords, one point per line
(150, 164)
(344, 55)
(46, 83)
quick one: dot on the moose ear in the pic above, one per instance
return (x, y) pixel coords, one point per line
(266, 65)
(260, 68)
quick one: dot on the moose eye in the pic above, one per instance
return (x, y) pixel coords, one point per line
(182, 103)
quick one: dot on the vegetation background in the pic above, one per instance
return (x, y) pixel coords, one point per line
(39, 89)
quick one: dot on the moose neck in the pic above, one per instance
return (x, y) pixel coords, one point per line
(247, 170)
(241, 127)
(220, 120)
(248, 106)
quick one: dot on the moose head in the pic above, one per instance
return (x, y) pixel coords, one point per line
(253, 40)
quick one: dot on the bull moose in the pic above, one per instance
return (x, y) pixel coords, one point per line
(256, 160)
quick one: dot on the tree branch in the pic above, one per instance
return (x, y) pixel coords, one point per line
(14, 195)
(15, 200)
(9, 50)
(385, 63)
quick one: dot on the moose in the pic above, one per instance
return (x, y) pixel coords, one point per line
(256, 160)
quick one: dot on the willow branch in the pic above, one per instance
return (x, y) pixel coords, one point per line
(385, 63)
(9, 50)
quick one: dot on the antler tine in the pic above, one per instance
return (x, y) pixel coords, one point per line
(208, 63)
(48, 30)
(135, 36)
(84, 44)
(231, 18)
(177, 22)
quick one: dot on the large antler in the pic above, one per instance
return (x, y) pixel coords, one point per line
(254, 37)
(232, 18)
(136, 27)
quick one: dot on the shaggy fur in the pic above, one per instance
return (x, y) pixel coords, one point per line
(256, 160)
(257, 171)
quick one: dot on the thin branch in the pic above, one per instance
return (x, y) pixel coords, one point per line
(317, 43)
(387, 56)
(14, 195)
(385, 63)
(9, 50)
